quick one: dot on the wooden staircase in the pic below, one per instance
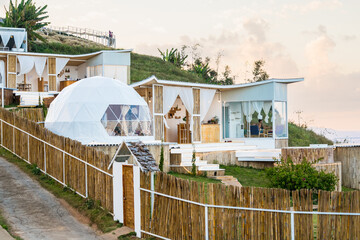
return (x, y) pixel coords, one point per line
(228, 180)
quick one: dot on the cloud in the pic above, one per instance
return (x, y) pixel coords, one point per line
(350, 37)
(328, 97)
(240, 47)
(317, 53)
(312, 6)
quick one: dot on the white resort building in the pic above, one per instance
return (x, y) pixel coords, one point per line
(234, 123)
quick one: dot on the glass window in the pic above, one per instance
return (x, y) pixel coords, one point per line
(247, 119)
(127, 120)
(280, 119)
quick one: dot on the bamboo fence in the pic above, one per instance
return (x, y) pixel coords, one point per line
(175, 219)
(88, 176)
(33, 114)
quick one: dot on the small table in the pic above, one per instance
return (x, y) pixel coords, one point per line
(24, 87)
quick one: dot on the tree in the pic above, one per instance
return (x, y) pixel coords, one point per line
(26, 15)
(174, 56)
(259, 73)
(227, 79)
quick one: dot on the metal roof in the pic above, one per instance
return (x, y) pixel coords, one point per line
(79, 56)
(153, 79)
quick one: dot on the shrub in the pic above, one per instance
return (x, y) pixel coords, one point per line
(288, 175)
(193, 160)
(161, 164)
(35, 170)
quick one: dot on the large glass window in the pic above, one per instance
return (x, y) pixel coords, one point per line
(127, 120)
(280, 119)
(247, 119)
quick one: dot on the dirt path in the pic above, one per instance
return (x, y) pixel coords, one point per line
(33, 212)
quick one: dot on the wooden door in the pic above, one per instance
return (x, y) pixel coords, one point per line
(128, 194)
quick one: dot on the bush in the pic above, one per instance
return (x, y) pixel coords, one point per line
(35, 170)
(288, 175)
(161, 164)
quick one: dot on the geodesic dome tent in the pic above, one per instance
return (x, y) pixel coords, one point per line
(100, 110)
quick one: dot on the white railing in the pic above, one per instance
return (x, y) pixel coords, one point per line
(54, 147)
(207, 206)
(101, 37)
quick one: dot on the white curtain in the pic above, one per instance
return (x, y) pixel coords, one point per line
(5, 38)
(169, 97)
(206, 98)
(39, 65)
(248, 110)
(26, 64)
(2, 72)
(267, 106)
(186, 95)
(19, 38)
(60, 64)
(258, 106)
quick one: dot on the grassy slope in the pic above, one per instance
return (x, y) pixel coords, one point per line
(142, 66)
(299, 136)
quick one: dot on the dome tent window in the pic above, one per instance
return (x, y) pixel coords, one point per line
(127, 120)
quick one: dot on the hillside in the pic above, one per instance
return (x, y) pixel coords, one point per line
(143, 66)
(300, 136)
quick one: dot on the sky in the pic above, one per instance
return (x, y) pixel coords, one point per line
(315, 39)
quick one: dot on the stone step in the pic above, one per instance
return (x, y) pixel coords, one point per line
(197, 163)
(248, 159)
(259, 153)
(213, 148)
(209, 167)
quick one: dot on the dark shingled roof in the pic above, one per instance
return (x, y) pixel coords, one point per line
(143, 156)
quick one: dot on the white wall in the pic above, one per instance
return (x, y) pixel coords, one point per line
(116, 72)
(254, 93)
(82, 71)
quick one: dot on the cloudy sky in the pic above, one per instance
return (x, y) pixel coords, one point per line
(315, 39)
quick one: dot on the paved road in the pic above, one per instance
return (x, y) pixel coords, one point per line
(33, 212)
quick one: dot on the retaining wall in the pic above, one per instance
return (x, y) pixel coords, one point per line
(349, 156)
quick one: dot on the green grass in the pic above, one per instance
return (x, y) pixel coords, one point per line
(201, 179)
(88, 208)
(5, 225)
(346, 189)
(248, 177)
(300, 136)
(144, 66)
(61, 48)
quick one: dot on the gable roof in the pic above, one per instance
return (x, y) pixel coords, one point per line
(154, 80)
